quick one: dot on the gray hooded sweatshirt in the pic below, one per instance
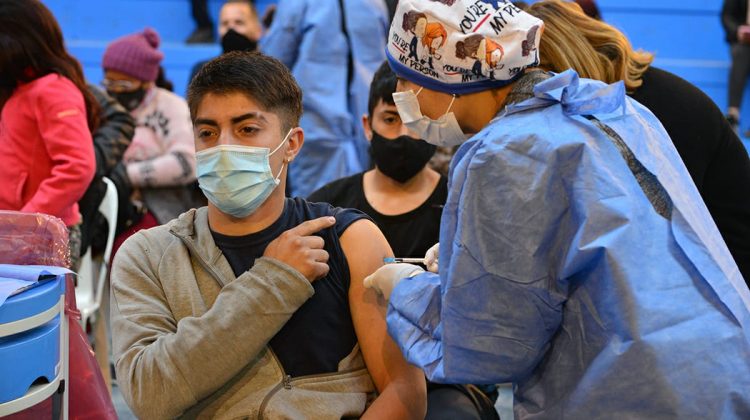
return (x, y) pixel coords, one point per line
(191, 340)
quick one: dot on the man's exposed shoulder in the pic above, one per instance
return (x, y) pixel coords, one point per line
(364, 243)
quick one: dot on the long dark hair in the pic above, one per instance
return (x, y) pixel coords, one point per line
(162, 81)
(31, 46)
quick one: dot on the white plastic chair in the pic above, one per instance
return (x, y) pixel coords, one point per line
(89, 294)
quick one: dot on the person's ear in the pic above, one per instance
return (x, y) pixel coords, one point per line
(295, 142)
(367, 126)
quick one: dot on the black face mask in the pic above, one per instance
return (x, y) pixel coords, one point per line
(129, 100)
(402, 157)
(234, 41)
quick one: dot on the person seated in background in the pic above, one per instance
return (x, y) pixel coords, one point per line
(239, 29)
(402, 195)
(713, 154)
(405, 198)
(111, 140)
(254, 306)
(159, 165)
(48, 114)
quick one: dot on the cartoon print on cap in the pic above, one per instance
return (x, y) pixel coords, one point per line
(528, 45)
(494, 3)
(428, 33)
(483, 50)
(465, 46)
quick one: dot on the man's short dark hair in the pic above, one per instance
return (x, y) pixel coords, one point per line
(382, 87)
(262, 78)
(247, 2)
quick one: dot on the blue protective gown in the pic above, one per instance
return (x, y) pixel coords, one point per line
(307, 36)
(557, 272)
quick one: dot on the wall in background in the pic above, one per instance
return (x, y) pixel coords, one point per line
(685, 35)
(89, 25)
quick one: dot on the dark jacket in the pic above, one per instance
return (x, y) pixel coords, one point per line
(733, 14)
(713, 154)
(111, 140)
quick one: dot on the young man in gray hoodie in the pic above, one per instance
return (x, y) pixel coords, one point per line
(254, 305)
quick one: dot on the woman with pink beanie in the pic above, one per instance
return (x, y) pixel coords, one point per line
(159, 165)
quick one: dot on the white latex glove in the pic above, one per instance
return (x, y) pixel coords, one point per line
(431, 258)
(384, 279)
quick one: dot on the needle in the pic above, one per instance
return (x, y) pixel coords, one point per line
(403, 260)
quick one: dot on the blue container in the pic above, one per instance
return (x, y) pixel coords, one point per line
(34, 353)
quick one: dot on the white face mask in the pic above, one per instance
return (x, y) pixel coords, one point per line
(443, 132)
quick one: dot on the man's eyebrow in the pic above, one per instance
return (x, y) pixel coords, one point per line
(248, 116)
(205, 121)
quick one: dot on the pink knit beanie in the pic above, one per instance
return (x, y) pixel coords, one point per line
(135, 55)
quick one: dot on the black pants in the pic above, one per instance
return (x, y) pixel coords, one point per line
(200, 14)
(738, 73)
(451, 402)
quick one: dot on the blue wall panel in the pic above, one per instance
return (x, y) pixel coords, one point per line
(89, 25)
(109, 19)
(685, 35)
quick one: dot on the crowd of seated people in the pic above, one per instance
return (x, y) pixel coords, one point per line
(232, 295)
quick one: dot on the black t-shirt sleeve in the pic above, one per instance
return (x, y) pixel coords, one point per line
(344, 216)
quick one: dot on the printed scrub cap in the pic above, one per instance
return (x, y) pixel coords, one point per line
(462, 46)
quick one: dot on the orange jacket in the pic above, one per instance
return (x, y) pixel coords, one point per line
(46, 152)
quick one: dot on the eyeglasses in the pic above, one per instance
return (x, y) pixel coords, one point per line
(120, 85)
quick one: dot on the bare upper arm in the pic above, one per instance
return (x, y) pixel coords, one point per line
(365, 247)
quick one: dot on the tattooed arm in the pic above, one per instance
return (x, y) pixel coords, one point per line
(173, 132)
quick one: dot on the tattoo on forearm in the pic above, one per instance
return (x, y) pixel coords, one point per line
(187, 168)
(147, 171)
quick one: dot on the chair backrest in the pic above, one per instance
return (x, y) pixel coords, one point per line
(90, 286)
(108, 208)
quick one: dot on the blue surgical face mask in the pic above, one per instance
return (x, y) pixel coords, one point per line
(237, 179)
(443, 132)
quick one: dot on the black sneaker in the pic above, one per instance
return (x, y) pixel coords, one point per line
(201, 36)
(734, 122)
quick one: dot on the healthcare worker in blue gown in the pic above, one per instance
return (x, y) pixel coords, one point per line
(332, 48)
(576, 257)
